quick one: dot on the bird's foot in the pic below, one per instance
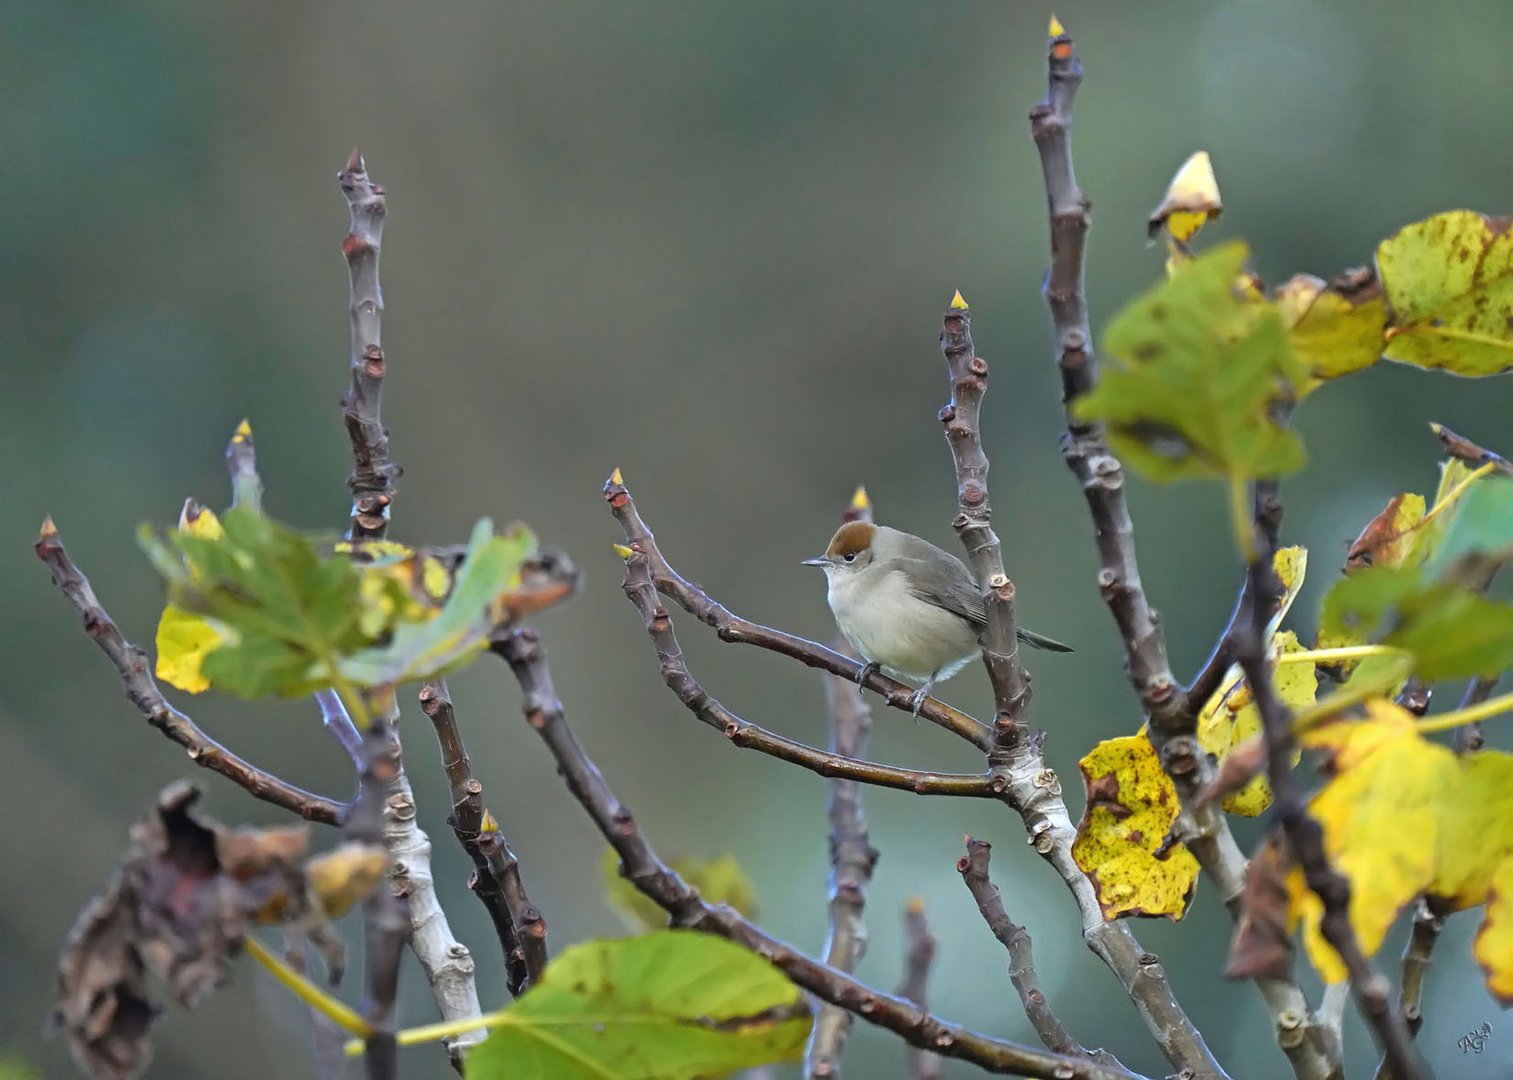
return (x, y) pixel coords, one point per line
(866, 671)
(917, 701)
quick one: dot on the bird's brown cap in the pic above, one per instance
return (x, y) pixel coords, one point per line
(852, 538)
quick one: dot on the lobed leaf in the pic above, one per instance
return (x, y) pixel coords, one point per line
(1195, 369)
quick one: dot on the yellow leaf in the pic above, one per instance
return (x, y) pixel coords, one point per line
(183, 642)
(1493, 948)
(1335, 328)
(1476, 830)
(1191, 201)
(1131, 805)
(185, 639)
(344, 876)
(1380, 812)
(1449, 280)
(1230, 717)
(1291, 566)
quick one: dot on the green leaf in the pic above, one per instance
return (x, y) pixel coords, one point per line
(719, 880)
(1483, 521)
(424, 650)
(1449, 281)
(664, 1006)
(1194, 369)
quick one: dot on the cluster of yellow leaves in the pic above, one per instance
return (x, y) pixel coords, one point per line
(1404, 817)
(1122, 841)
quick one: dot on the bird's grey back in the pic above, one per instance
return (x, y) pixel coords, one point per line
(938, 576)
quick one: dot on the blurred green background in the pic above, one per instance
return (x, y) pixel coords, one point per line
(708, 243)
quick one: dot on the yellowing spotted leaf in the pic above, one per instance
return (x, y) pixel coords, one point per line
(1131, 806)
(1335, 328)
(1449, 281)
(1231, 718)
(1494, 941)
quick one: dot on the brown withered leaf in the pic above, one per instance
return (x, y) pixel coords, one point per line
(1235, 770)
(1262, 946)
(343, 878)
(178, 907)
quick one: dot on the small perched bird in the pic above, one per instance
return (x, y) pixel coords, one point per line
(905, 605)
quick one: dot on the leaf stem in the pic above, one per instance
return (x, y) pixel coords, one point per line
(1460, 717)
(1239, 516)
(329, 1007)
(1457, 491)
(427, 1033)
(1343, 699)
(1343, 652)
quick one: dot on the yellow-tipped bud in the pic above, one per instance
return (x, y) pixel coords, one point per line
(915, 906)
(859, 500)
(1056, 29)
(243, 432)
(488, 824)
(1436, 427)
(615, 477)
(622, 551)
(48, 530)
(957, 303)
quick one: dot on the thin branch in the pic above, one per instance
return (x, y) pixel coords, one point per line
(384, 925)
(1306, 838)
(1170, 712)
(852, 858)
(731, 627)
(919, 957)
(446, 962)
(496, 877)
(973, 867)
(1463, 449)
(1418, 956)
(142, 690)
(374, 475)
(641, 866)
(643, 594)
(333, 715)
(1469, 737)
(968, 375)
(1030, 787)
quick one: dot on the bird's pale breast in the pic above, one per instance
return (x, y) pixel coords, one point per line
(896, 629)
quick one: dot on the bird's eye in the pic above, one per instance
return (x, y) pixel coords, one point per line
(851, 556)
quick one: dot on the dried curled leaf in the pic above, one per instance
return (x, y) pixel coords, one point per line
(1131, 808)
(177, 907)
(1449, 281)
(1191, 201)
(1262, 946)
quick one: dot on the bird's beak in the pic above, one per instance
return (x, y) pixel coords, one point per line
(818, 560)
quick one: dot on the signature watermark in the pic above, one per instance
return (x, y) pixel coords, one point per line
(1475, 1040)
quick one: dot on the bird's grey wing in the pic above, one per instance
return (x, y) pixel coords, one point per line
(955, 590)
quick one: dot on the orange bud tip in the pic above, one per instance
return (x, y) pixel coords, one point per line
(615, 477)
(243, 432)
(1056, 29)
(915, 906)
(622, 551)
(859, 500)
(48, 530)
(957, 303)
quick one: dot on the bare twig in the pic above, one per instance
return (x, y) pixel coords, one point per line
(333, 716)
(1170, 712)
(496, 871)
(1306, 838)
(1029, 786)
(852, 858)
(919, 957)
(1016, 939)
(1463, 449)
(733, 628)
(1418, 957)
(968, 375)
(641, 866)
(446, 962)
(142, 690)
(641, 592)
(1469, 737)
(374, 475)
